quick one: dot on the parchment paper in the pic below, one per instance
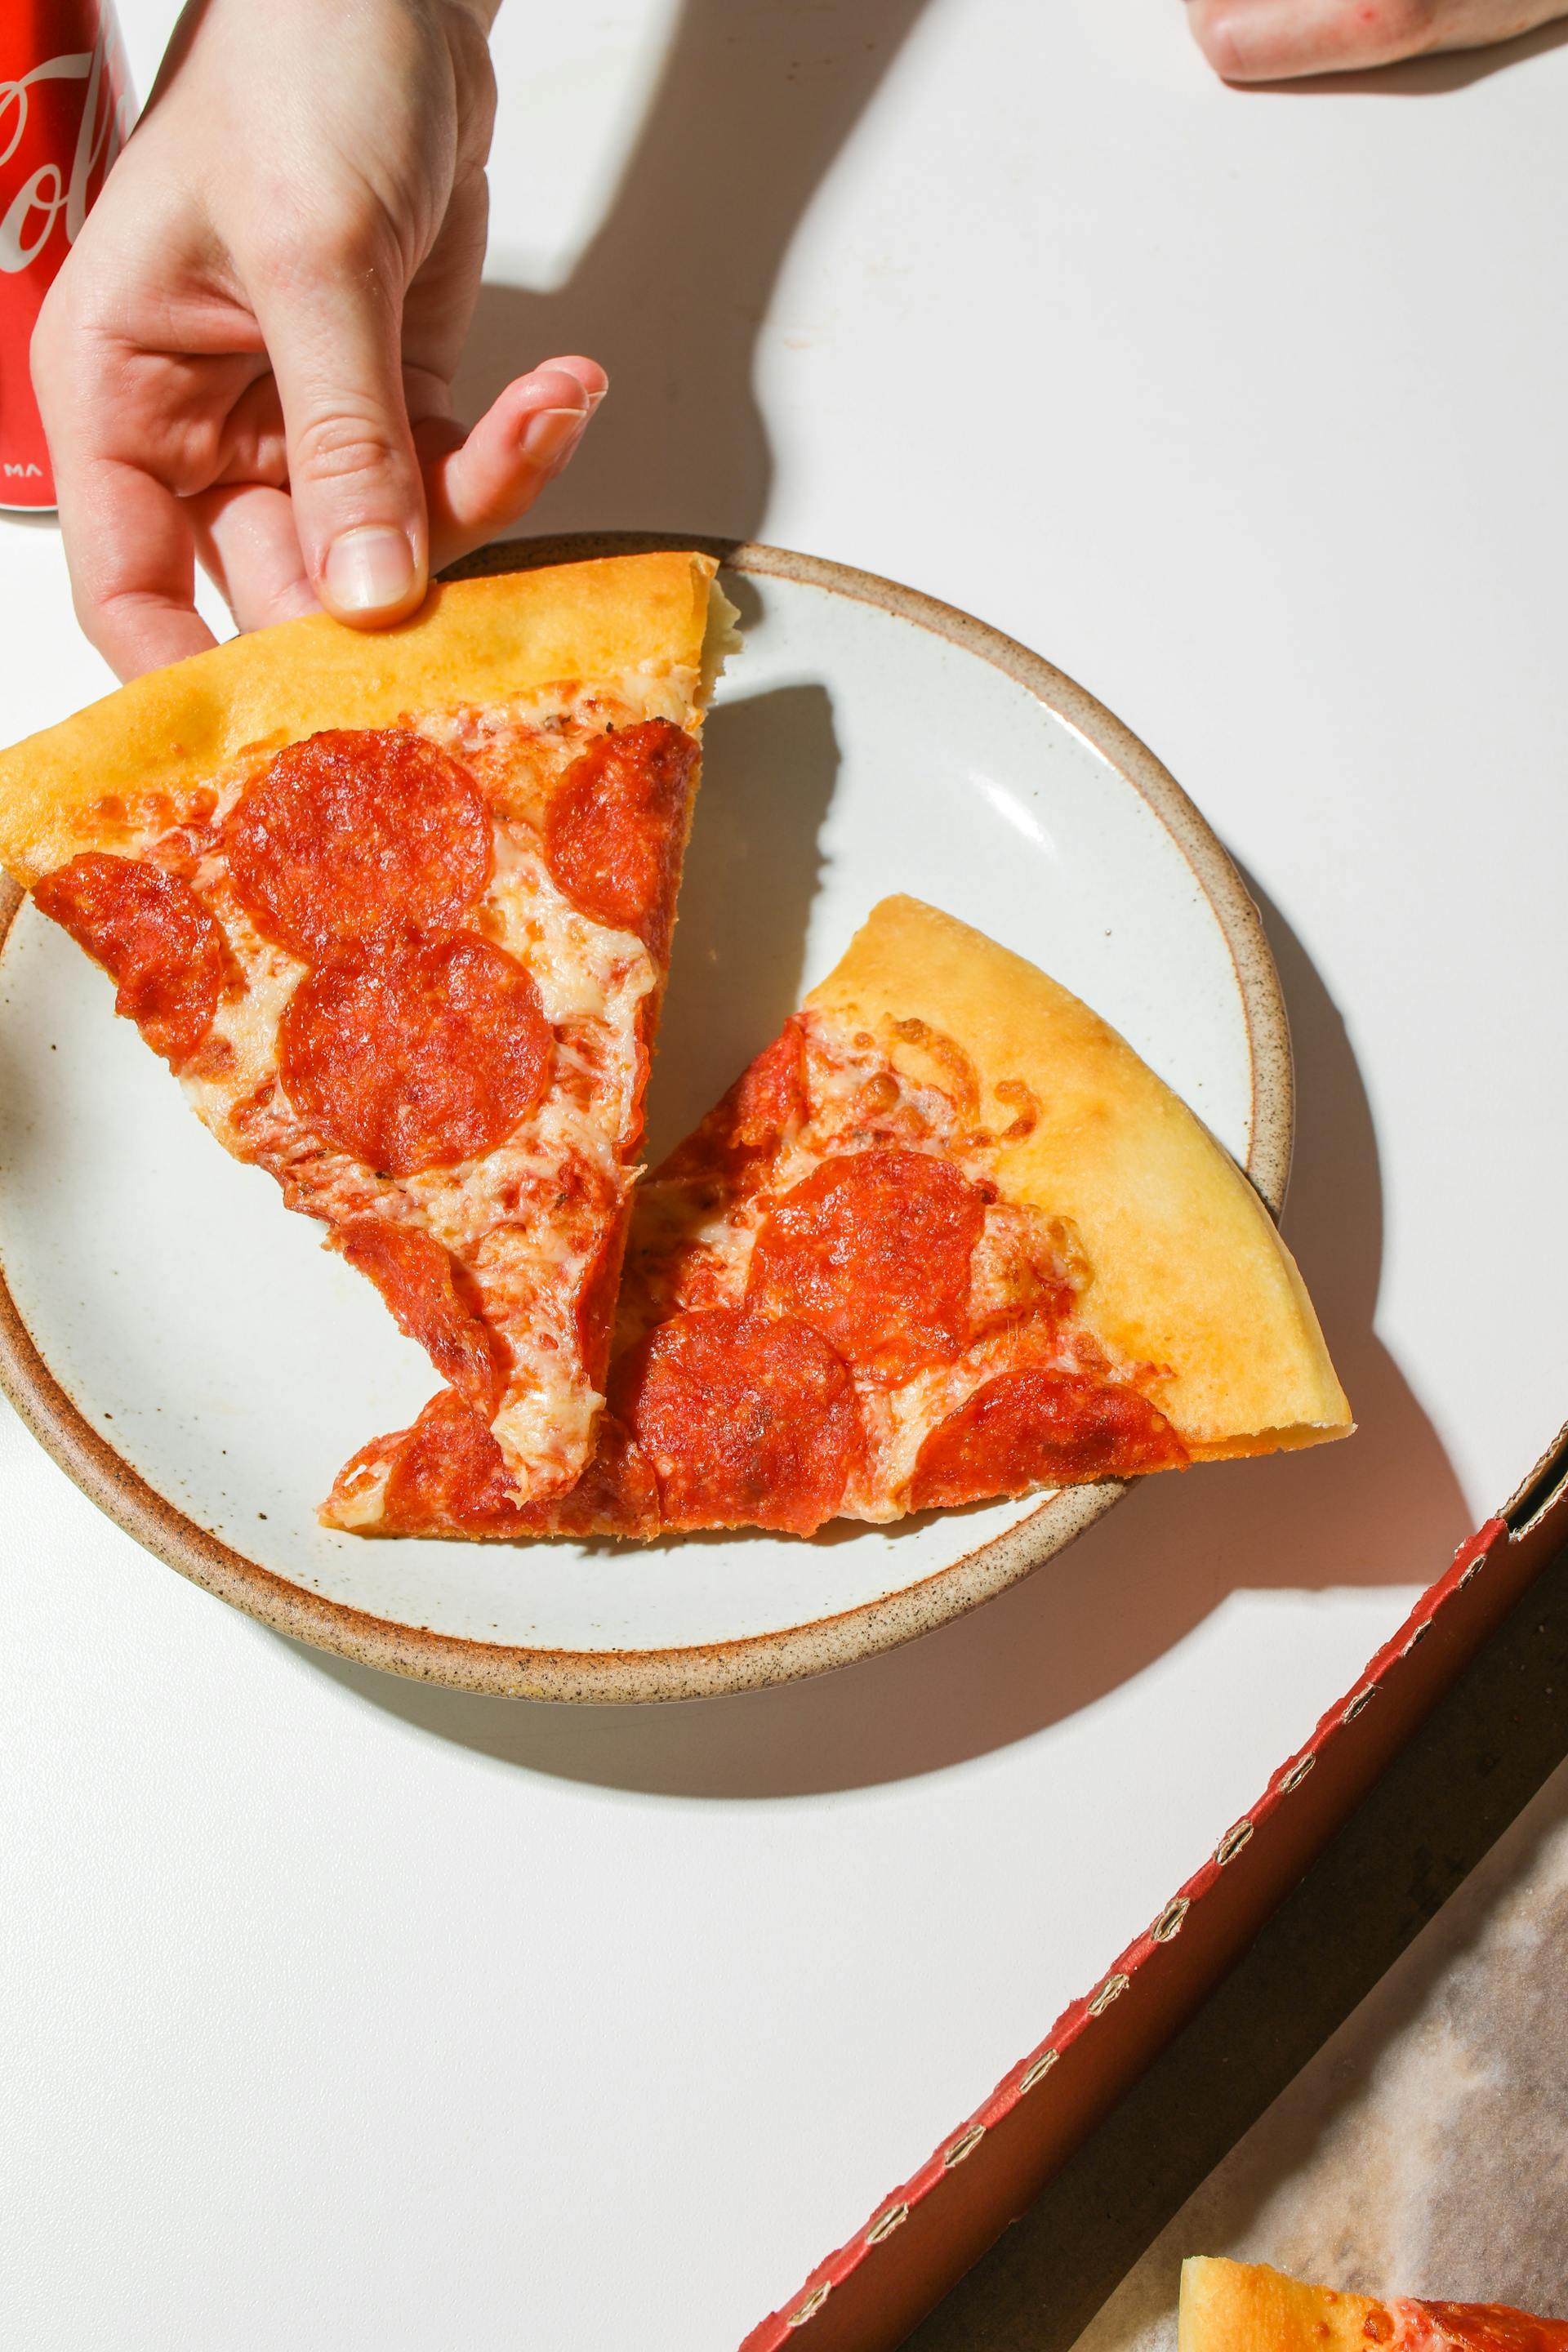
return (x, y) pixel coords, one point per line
(1424, 2150)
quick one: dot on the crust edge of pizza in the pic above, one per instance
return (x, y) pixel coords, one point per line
(1227, 2307)
(472, 640)
(1191, 1276)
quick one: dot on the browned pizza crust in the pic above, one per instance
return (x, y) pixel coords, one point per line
(473, 641)
(1246, 2307)
(1189, 1273)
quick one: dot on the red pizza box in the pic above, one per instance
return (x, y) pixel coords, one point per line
(924, 2235)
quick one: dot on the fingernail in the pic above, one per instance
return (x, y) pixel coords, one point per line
(549, 434)
(370, 570)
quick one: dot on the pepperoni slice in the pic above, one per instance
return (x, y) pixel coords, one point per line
(769, 1099)
(154, 938)
(354, 838)
(615, 829)
(1481, 2328)
(447, 1472)
(747, 1420)
(597, 1302)
(419, 1059)
(447, 1478)
(615, 1495)
(873, 1250)
(430, 1295)
(1041, 1428)
(765, 1106)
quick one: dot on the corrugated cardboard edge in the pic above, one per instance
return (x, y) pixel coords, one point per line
(868, 2294)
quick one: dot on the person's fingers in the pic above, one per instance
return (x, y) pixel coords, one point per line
(128, 543)
(253, 447)
(332, 335)
(245, 531)
(126, 539)
(482, 485)
(248, 545)
(1278, 40)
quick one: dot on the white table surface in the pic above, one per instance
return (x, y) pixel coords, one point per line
(349, 2014)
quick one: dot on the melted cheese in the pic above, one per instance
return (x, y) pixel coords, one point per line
(692, 1242)
(529, 1220)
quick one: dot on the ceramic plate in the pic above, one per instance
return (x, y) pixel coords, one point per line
(201, 1367)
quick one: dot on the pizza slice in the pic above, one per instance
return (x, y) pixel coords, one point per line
(947, 1239)
(397, 909)
(1247, 2307)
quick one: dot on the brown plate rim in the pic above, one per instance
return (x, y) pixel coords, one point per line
(753, 1662)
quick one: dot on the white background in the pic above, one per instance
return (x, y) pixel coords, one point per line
(349, 2014)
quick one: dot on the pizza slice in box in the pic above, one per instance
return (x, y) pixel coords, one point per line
(947, 1239)
(1247, 2307)
(397, 909)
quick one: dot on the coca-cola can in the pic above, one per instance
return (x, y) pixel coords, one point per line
(65, 106)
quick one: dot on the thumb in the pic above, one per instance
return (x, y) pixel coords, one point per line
(358, 499)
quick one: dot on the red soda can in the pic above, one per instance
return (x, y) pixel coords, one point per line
(65, 106)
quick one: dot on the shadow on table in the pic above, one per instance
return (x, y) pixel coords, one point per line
(1382, 1509)
(753, 106)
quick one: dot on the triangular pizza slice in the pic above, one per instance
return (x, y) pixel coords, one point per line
(1247, 2307)
(396, 908)
(947, 1239)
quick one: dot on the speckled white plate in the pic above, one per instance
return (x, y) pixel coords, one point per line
(202, 1367)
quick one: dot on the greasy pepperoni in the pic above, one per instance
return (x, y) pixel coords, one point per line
(446, 1472)
(747, 1420)
(762, 1107)
(615, 1494)
(1487, 2326)
(596, 1304)
(152, 933)
(769, 1099)
(1041, 1428)
(355, 837)
(616, 828)
(431, 1296)
(447, 1477)
(418, 1059)
(873, 1250)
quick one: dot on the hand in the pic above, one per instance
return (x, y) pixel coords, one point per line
(1275, 40)
(248, 353)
